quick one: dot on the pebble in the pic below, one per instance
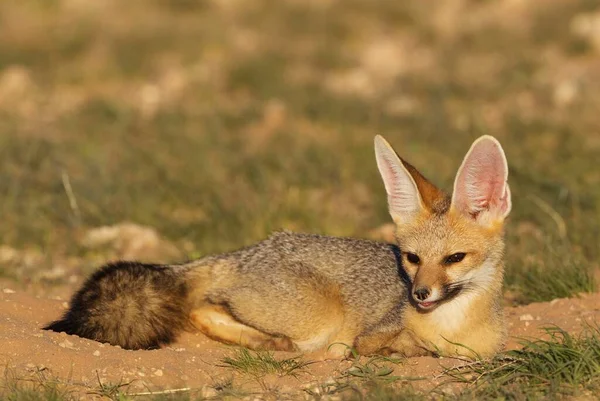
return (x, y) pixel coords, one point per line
(525, 317)
(158, 372)
(96, 353)
(8, 291)
(66, 344)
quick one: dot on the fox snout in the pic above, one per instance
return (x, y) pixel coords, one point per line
(428, 284)
(428, 297)
(421, 293)
(425, 295)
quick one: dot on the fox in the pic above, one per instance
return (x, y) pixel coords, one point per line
(436, 291)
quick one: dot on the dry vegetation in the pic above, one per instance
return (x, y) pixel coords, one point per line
(216, 122)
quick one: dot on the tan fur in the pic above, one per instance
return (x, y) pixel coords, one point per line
(315, 321)
(435, 200)
(217, 323)
(306, 292)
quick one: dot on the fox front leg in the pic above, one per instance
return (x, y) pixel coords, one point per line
(401, 342)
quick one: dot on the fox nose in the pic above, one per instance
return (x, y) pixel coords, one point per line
(422, 293)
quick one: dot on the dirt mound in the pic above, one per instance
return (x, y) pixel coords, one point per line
(197, 362)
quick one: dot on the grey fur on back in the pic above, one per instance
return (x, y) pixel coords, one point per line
(362, 267)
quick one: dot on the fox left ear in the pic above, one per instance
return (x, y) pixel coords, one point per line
(481, 189)
(404, 199)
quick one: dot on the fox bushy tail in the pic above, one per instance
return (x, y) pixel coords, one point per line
(134, 305)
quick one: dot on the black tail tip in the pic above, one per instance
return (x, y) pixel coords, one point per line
(59, 326)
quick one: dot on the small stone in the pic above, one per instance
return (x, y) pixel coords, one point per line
(66, 344)
(158, 372)
(8, 291)
(96, 353)
(526, 317)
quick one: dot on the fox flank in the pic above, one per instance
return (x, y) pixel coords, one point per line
(437, 291)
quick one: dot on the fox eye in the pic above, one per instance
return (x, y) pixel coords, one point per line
(455, 258)
(412, 258)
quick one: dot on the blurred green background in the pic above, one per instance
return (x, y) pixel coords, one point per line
(217, 122)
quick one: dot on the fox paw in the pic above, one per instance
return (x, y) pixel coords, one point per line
(277, 344)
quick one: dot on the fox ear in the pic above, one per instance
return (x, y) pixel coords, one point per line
(480, 189)
(404, 200)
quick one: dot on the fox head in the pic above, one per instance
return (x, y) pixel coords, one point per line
(449, 245)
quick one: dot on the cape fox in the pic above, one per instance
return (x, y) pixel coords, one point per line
(437, 291)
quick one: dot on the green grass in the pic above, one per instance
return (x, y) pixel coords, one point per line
(37, 387)
(112, 391)
(373, 370)
(262, 363)
(44, 392)
(367, 378)
(559, 366)
(41, 387)
(544, 280)
(382, 393)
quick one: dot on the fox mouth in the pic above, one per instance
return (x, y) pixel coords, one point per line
(427, 305)
(449, 293)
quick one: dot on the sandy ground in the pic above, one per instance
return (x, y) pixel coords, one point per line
(196, 362)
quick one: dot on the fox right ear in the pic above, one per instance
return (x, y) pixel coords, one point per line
(404, 200)
(481, 190)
